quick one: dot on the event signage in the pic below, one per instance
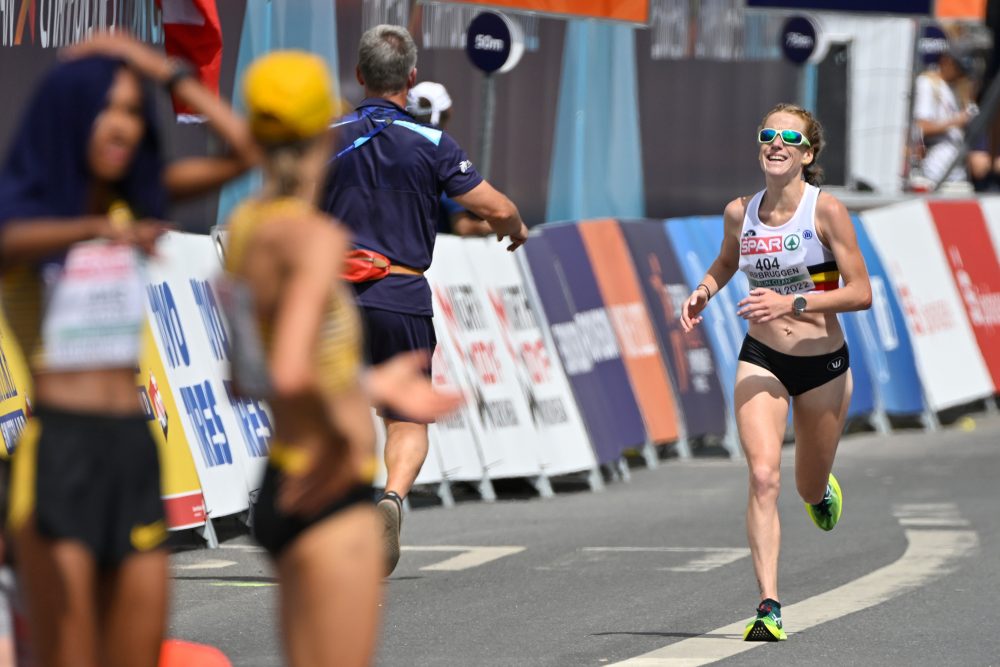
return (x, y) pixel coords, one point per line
(691, 359)
(973, 262)
(553, 304)
(494, 42)
(905, 237)
(641, 354)
(799, 39)
(598, 344)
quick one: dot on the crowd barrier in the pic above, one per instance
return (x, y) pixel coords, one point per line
(570, 351)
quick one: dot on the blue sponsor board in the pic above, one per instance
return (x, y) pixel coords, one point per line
(597, 335)
(572, 349)
(201, 409)
(168, 323)
(689, 356)
(885, 339)
(863, 396)
(211, 318)
(11, 425)
(696, 243)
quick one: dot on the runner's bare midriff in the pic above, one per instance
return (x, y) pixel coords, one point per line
(111, 392)
(807, 335)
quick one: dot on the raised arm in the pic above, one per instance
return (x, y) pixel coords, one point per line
(725, 265)
(186, 177)
(497, 210)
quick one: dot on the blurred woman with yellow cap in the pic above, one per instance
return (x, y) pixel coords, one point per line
(297, 343)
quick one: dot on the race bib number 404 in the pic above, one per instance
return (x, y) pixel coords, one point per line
(94, 308)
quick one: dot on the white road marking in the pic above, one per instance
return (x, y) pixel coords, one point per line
(206, 565)
(929, 555)
(714, 556)
(929, 515)
(253, 548)
(469, 558)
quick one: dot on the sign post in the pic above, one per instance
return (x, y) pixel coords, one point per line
(494, 44)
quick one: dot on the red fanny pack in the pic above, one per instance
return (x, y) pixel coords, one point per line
(365, 265)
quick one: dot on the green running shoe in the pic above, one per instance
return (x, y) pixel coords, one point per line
(767, 626)
(827, 513)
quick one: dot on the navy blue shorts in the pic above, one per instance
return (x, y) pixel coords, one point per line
(388, 333)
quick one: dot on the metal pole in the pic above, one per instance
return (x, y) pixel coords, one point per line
(486, 139)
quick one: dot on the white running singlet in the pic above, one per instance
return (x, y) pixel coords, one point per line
(790, 258)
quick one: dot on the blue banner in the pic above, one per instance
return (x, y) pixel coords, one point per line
(589, 313)
(863, 396)
(576, 359)
(689, 357)
(886, 340)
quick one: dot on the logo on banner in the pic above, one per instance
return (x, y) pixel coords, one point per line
(211, 317)
(254, 422)
(168, 323)
(11, 425)
(202, 410)
(760, 245)
(8, 389)
(157, 410)
(983, 307)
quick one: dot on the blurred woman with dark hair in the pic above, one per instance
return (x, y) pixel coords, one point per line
(83, 191)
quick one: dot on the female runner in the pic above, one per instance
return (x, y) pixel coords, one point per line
(297, 342)
(82, 191)
(797, 247)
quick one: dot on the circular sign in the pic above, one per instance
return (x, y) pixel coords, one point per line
(932, 43)
(494, 42)
(798, 39)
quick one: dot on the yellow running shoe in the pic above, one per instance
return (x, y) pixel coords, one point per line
(827, 513)
(767, 626)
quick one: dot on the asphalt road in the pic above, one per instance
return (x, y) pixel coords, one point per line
(658, 568)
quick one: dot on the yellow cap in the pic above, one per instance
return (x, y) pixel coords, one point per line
(289, 96)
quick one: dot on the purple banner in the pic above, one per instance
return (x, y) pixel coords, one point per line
(689, 357)
(596, 333)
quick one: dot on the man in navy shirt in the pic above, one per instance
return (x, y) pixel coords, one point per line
(385, 184)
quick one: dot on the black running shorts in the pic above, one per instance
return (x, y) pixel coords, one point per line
(89, 478)
(798, 374)
(275, 530)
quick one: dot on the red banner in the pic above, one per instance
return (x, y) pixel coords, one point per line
(966, 242)
(192, 31)
(619, 284)
(635, 11)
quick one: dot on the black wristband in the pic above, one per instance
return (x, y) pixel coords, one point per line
(182, 70)
(707, 291)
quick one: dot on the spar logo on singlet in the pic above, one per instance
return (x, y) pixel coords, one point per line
(761, 245)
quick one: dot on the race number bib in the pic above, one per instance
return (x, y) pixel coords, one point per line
(95, 308)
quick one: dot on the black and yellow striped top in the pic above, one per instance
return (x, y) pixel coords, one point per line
(338, 352)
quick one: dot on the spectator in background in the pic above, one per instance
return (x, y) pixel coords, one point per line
(942, 109)
(430, 104)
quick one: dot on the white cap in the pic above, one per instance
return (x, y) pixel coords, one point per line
(436, 94)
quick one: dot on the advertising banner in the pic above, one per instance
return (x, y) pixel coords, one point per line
(721, 324)
(544, 275)
(886, 339)
(634, 11)
(565, 447)
(597, 334)
(501, 419)
(863, 394)
(15, 388)
(229, 437)
(622, 295)
(690, 358)
(948, 358)
(973, 261)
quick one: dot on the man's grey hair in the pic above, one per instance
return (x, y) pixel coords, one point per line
(386, 57)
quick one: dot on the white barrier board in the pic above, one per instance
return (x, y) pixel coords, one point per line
(229, 438)
(564, 444)
(951, 367)
(500, 418)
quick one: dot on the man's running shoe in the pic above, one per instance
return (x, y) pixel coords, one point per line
(827, 513)
(767, 626)
(390, 508)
